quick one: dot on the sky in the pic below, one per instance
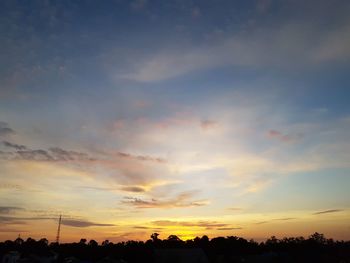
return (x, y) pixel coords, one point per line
(218, 118)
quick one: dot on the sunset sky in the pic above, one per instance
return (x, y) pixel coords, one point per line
(180, 117)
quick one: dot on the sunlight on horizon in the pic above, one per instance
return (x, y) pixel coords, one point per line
(184, 118)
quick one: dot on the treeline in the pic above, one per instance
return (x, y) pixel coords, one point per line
(315, 248)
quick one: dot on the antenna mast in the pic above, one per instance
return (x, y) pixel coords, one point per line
(58, 230)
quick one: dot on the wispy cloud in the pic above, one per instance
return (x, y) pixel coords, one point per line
(12, 220)
(328, 211)
(276, 219)
(285, 218)
(229, 228)
(131, 188)
(140, 157)
(13, 230)
(208, 124)
(287, 44)
(14, 146)
(135, 189)
(283, 137)
(234, 209)
(82, 223)
(184, 199)
(5, 129)
(206, 224)
(10, 209)
(262, 222)
(22, 152)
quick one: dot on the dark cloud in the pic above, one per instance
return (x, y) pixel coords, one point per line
(140, 157)
(142, 227)
(5, 129)
(135, 189)
(328, 211)
(14, 146)
(261, 222)
(22, 152)
(34, 155)
(181, 200)
(82, 223)
(60, 154)
(10, 209)
(56, 154)
(285, 218)
(66, 221)
(229, 228)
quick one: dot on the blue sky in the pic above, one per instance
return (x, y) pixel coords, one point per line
(182, 117)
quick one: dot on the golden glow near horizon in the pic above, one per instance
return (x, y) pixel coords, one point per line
(226, 121)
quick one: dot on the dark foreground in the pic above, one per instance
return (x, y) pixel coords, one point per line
(316, 248)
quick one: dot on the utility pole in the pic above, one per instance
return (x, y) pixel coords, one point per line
(58, 230)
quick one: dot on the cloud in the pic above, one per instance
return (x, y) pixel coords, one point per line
(208, 124)
(14, 146)
(289, 43)
(60, 154)
(328, 211)
(6, 155)
(67, 222)
(13, 230)
(140, 157)
(283, 137)
(276, 219)
(10, 209)
(229, 228)
(181, 200)
(234, 208)
(205, 224)
(34, 155)
(285, 218)
(134, 172)
(11, 220)
(82, 223)
(135, 189)
(262, 222)
(142, 227)
(10, 186)
(55, 154)
(5, 129)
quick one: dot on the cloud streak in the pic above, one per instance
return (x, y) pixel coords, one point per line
(182, 200)
(10, 209)
(14, 146)
(259, 47)
(328, 211)
(82, 223)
